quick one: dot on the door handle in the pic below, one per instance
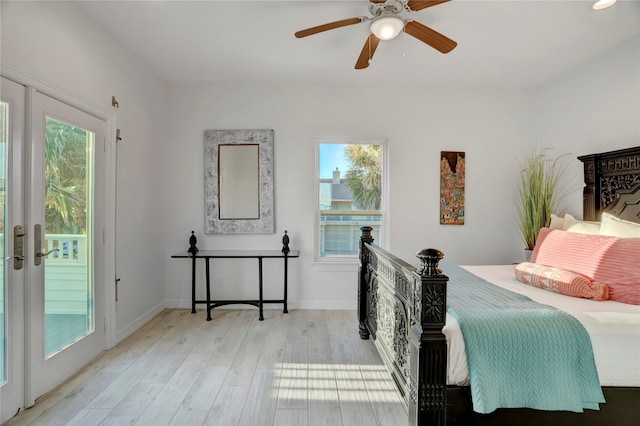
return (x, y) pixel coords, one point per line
(17, 260)
(18, 248)
(14, 257)
(42, 254)
(37, 245)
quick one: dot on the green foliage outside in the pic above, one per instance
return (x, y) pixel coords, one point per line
(364, 177)
(66, 175)
(66, 178)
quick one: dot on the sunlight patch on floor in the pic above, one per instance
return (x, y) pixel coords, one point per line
(333, 382)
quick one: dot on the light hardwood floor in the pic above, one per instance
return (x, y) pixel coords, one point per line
(302, 368)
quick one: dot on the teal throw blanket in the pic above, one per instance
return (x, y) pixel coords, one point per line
(521, 353)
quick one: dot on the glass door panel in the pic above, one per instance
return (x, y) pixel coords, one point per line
(69, 302)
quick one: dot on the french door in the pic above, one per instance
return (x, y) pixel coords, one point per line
(12, 370)
(59, 180)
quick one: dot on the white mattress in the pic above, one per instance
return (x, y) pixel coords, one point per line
(614, 329)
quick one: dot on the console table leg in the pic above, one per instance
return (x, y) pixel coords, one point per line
(285, 311)
(261, 317)
(208, 289)
(193, 285)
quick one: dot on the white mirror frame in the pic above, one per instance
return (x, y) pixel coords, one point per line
(212, 140)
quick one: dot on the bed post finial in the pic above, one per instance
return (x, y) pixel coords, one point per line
(366, 233)
(428, 345)
(365, 238)
(430, 258)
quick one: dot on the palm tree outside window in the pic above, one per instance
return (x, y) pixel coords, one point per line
(351, 182)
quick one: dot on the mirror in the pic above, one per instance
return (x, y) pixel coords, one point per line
(238, 168)
(238, 181)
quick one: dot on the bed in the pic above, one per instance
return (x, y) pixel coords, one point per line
(404, 309)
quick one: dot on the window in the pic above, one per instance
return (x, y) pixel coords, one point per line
(350, 186)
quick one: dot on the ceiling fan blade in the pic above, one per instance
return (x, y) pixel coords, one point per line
(329, 26)
(417, 5)
(367, 52)
(433, 38)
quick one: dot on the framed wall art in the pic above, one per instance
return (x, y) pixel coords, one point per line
(452, 165)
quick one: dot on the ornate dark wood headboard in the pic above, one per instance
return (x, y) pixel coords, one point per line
(612, 184)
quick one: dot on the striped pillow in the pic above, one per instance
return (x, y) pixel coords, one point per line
(610, 260)
(560, 281)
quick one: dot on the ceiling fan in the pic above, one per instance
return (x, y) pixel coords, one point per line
(386, 23)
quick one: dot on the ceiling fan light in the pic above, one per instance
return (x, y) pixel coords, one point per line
(603, 4)
(387, 27)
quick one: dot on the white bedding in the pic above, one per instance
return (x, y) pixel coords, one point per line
(614, 329)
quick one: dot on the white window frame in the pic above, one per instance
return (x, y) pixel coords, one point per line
(384, 219)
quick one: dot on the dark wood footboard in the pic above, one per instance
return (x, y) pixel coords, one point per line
(404, 309)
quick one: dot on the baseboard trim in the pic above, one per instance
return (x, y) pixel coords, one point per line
(337, 305)
(138, 322)
(330, 305)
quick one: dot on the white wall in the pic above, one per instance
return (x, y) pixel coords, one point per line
(490, 126)
(55, 43)
(594, 108)
(575, 113)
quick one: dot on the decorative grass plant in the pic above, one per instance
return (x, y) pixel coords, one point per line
(539, 193)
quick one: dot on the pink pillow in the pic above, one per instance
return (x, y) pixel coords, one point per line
(610, 260)
(561, 281)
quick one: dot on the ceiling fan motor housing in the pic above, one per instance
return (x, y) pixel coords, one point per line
(392, 7)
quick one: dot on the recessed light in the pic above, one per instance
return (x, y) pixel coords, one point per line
(603, 4)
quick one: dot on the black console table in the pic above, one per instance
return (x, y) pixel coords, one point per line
(235, 254)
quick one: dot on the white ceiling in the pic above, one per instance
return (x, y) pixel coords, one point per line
(509, 43)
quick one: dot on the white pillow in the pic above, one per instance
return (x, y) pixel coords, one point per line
(616, 227)
(557, 222)
(572, 224)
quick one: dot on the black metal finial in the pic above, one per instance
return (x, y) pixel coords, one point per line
(285, 243)
(430, 259)
(192, 243)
